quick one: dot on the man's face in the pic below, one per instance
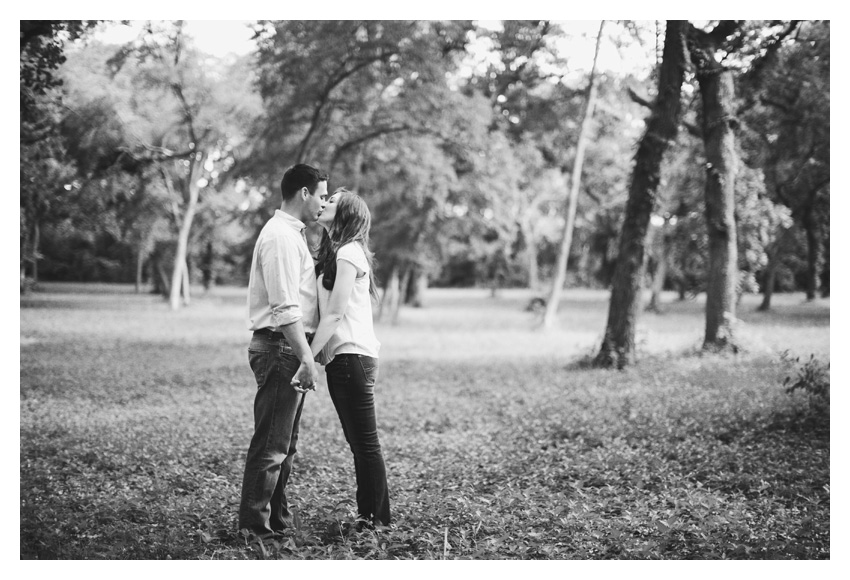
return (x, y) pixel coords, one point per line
(314, 203)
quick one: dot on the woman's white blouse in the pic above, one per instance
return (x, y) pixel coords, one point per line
(355, 333)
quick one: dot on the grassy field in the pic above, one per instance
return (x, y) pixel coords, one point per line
(135, 421)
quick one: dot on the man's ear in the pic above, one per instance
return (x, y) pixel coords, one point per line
(305, 193)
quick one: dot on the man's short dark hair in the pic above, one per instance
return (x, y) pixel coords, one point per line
(298, 176)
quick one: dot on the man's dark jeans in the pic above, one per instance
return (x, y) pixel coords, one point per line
(351, 384)
(264, 510)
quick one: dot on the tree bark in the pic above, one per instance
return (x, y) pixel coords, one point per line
(659, 273)
(824, 277)
(191, 192)
(182, 248)
(584, 274)
(812, 253)
(140, 261)
(207, 265)
(717, 90)
(186, 285)
(618, 344)
(530, 252)
(416, 286)
(36, 244)
(390, 301)
(774, 258)
(163, 278)
(390, 297)
(551, 312)
(769, 283)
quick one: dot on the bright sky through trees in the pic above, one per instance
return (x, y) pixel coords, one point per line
(222, 37)
(216, 37)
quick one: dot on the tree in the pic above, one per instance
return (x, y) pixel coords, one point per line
(659, 240)
(116, 193)
(540, 185)
(46, 176)
(189, 134)
(46, 170)
(327, 99)
(717, 91)
(42, 51)
(406, 194)
(756, 218)
(521, 63)
(538, 105)
(366, 82)
(575, 184)
(415, 183)
(617, 348)
(786, 130)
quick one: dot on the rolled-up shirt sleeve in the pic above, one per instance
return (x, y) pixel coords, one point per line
(281, 270)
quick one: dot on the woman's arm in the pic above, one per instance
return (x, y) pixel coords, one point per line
(346, 272)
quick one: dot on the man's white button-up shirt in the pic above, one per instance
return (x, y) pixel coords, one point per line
(282, 287)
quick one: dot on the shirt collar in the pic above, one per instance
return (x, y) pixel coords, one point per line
(291, 221)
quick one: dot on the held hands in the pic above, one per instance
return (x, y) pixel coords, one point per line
(305, 378)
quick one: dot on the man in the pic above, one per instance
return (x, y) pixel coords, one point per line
(283, 313)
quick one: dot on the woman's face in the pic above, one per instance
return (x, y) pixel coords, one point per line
(326, 218)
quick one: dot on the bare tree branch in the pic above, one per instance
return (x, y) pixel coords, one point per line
(755, 75)
(723, 30)
(348, 145)
(638, 99)
(336, 79)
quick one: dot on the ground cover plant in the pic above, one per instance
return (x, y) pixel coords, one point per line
(499, 442)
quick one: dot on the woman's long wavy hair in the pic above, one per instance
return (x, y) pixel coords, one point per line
(351, 224)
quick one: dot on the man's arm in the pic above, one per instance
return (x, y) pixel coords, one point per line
(306, 376)
(279, 264)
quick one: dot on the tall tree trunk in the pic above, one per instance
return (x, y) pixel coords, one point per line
(498, 271)
(25, 251)
(186, 285)
(36, 253)
(583, 266)
(177, 275)
(769, 282)
(163, 278)
(207, 265)
(659, 273)
(533, 269)
(618, 344)
(416, 287)
(404, 285)
(390, 300)
(717, 89)
(824, 278)
(530, 253)
(390, 297)
(812, 253)
(140, 262)
(774, 258)
(575, 183)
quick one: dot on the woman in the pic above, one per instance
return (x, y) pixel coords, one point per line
(345, 341)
